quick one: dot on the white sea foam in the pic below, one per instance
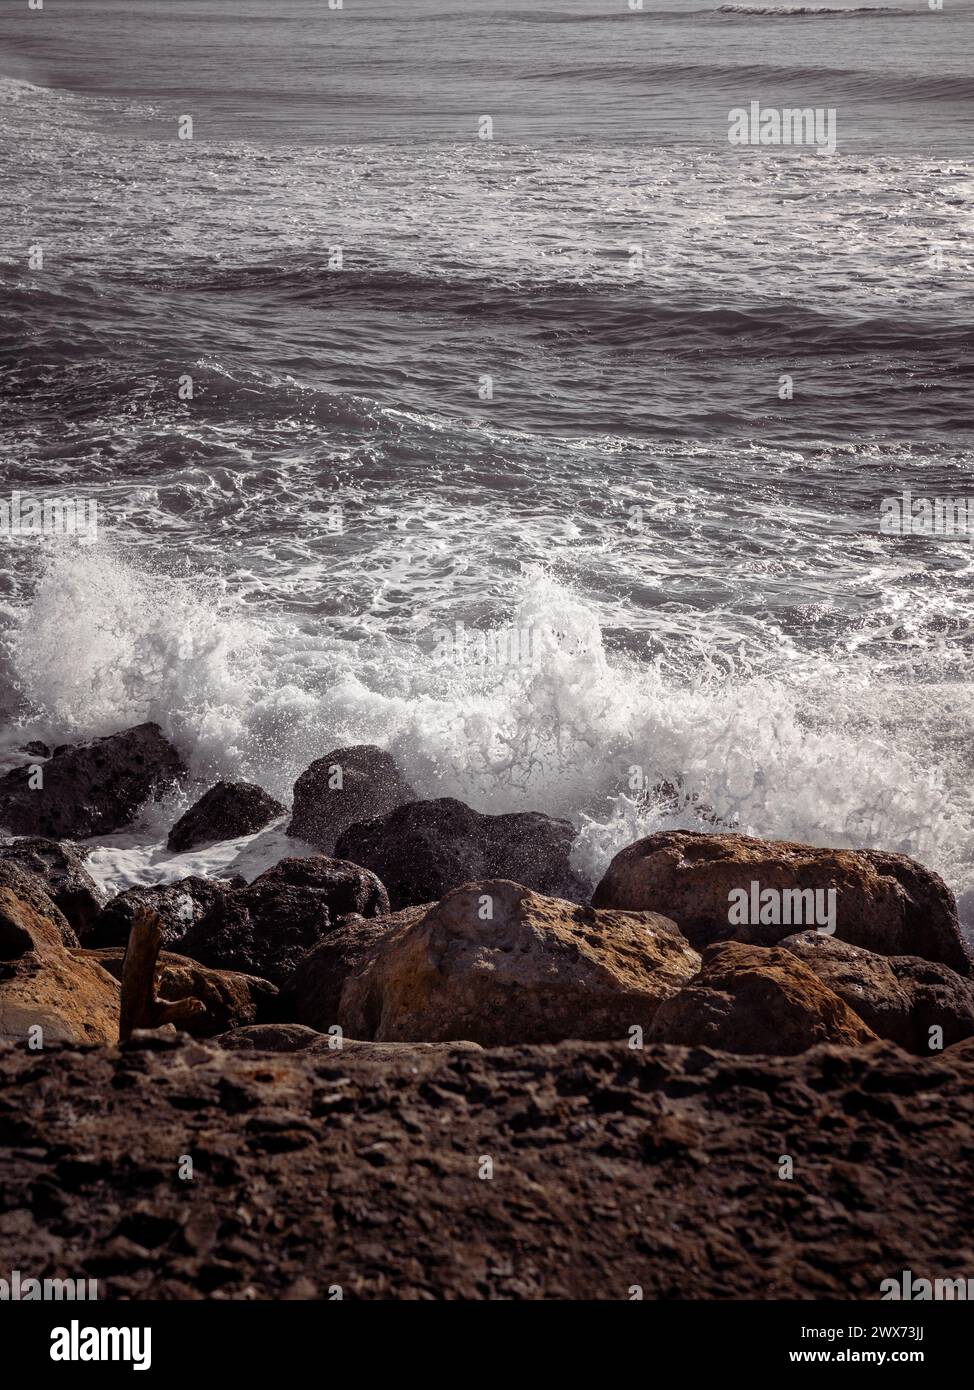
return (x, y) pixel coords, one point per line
(819, 755)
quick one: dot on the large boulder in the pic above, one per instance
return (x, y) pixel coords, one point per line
(756, 999)
(346, 785)
(265, 928)
(903, 998)
(32, 890)
(60, 866)
(43, 985)
(227, 811)
(313, 993)
(91, 788)
(499, 964)
(178, 906)
(349, 889)
(231, 1000)
(885, 903)
(422, 850)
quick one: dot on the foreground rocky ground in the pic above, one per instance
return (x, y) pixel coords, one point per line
(428, 1061)
(612, 1168)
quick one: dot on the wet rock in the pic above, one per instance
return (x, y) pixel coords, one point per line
(264, 928)
(231, 1000)
(346, 785)
(91, 788)
(178, 905)
(426, 848)
(885, 903)
(227, 811)
(756, 999)
(911, 1001)
(347, 888)
(498, 964)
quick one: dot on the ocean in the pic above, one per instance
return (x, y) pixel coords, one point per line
(383, 335)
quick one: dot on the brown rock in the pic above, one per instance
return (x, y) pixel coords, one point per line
(232, 1000)
(900, 997)
(756, 999)
(59, 864)
(313, 993)
(44, 984)
(292, 1037)
(538, 970)
(885, 903)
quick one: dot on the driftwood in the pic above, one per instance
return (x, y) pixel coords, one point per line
(140, 1007)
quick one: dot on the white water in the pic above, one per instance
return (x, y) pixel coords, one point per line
(814, 752)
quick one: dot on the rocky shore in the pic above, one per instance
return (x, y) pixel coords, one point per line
(430, 1061)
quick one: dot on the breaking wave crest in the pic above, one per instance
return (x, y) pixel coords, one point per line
(579, 731)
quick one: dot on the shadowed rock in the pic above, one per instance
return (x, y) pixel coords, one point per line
(902, 998)
(60, 866)
(313, 993)
(227, 811)
(178, 906)
(346, 785)
(265, 928)
(91, 788)
(423, 850)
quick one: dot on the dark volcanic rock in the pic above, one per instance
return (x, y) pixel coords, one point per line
(496, 963)
(91, 788)
(59, 864)
(347, 888)
(612, 1168)
(313, 993)
(226, 811)
(179, 906)
(346, 785)
(756, 999)
(231, 1000)
(903, 998)
(885, 903)
(422, 850)
(265, 928)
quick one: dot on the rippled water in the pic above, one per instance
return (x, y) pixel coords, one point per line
(702, 557)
